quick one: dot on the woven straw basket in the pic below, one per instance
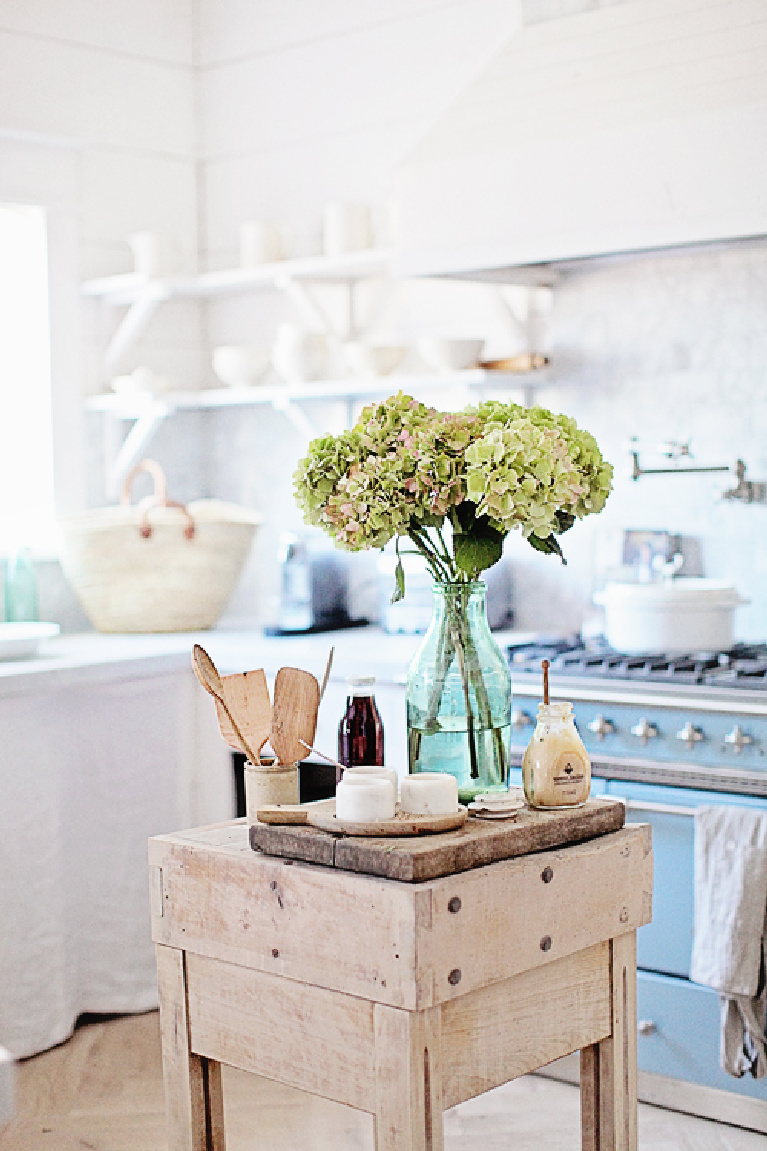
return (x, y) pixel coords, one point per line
(156, 566)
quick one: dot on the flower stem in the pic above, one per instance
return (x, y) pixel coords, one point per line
(458, 643)
(427, 549)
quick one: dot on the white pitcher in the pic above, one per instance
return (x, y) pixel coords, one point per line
(299, 355)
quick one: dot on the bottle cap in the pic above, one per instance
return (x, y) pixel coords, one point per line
(360, 684)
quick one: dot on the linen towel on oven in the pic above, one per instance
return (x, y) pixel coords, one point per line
(729, 940)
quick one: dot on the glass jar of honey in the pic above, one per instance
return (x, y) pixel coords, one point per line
(556, 769)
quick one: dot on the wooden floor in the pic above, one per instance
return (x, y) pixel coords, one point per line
(102, 1091)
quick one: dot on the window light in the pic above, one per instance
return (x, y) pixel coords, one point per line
(26, 442)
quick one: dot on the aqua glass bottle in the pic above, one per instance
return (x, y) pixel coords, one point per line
(459, 695)
(20, 588)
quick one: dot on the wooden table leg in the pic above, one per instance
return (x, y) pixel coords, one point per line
(608, 1069)
(193, 1096)
(408, 1080)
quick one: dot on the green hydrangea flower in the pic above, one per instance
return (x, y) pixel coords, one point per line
(408, 470)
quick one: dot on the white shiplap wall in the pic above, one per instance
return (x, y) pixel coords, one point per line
(306, 102)
(115, 81)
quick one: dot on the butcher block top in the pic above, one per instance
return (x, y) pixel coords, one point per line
(418, 858)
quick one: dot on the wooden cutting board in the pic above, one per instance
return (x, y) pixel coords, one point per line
(477, 843)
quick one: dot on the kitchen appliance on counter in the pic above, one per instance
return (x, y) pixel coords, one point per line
(314, 586)
(668, 733)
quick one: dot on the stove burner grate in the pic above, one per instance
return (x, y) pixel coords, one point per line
(744, 665)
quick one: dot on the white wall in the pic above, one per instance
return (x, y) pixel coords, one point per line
(304, 103)
(116, 82)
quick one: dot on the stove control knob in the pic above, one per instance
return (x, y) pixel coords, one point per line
(644, 730)
(601, 726)
(521, 718)
(738, 739)
(690, 735)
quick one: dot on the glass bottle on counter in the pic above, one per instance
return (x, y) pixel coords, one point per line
(360, 732)
(556, 769)
(20, 588)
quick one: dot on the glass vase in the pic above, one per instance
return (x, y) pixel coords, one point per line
(459, 695)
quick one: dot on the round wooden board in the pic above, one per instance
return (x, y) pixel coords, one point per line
(402, 824)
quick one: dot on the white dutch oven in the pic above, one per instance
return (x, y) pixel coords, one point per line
(677, 616)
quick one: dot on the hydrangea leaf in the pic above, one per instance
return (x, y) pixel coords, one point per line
(399, 576)
(477, 550)
(549, 545)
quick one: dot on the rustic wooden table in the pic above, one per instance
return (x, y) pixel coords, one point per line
(398, 998)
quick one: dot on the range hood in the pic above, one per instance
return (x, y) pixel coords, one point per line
(638, 126)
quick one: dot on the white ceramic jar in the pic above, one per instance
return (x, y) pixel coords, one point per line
(365, 799)
(429, 793)
(369, 771)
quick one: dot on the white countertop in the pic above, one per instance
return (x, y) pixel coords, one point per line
(93, 656)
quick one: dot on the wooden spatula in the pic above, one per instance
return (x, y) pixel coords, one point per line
(207, 674)
(247, 699)
(294, 715)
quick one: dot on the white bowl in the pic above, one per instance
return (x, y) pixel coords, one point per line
(444, 354)
(18, 640)
(240, 367)
(142, 380)
(370, 359)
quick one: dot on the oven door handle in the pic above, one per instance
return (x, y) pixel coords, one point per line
(658, 808)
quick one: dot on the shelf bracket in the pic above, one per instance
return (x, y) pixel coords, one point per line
(133, 323)
(133, 445)
(309, 308)
(297, 417)
(528, 310)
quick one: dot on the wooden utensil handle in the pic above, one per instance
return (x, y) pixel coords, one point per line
(282, 813)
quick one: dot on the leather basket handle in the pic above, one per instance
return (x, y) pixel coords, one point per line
(158, 498)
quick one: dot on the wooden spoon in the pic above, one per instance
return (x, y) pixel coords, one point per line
(247, 698)
(294, 715)
(326, 676)
(207, 674)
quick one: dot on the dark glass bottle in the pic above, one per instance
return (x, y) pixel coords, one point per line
(360, 732)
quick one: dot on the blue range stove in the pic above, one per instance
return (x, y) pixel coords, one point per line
(667, 734)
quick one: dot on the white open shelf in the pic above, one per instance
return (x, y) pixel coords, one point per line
(148, 411)
(126, 289)
(141, 297)
(133, 406)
